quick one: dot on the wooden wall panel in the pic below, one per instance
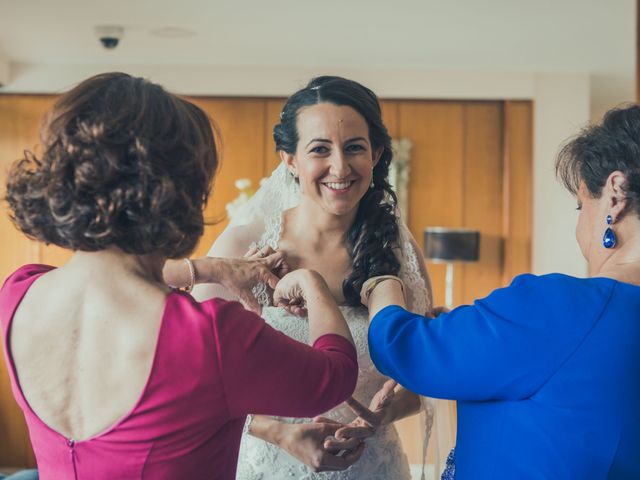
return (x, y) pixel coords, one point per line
(20, 120)
(437, 159)
(517, 189)
(240, 123)
(482, 198)
(391, 116)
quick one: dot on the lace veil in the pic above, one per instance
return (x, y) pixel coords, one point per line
(260, 221)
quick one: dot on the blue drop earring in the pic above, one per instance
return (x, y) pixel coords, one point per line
(609, 238)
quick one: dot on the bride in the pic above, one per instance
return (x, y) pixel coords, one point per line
(329, 207)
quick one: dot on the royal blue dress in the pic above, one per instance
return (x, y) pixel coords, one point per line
(546, 373)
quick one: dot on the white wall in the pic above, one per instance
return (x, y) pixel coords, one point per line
(4, 68)
(561, 108)
(281, 82)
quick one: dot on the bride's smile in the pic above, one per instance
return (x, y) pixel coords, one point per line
(339, 187)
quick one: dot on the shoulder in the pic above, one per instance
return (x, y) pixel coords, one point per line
(25, 275)
(235, 241)
(16, 285)
(557, 284)
(556, 295)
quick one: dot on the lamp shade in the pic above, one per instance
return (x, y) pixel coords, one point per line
(443, 244)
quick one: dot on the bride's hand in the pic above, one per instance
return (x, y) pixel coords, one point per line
(306, 442)
(293, 289)
(368, 420)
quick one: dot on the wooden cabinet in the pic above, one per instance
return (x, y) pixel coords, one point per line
(470, 167)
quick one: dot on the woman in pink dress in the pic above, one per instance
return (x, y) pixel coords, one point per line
(118, 375)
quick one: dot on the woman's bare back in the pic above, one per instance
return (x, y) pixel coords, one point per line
(83, 342)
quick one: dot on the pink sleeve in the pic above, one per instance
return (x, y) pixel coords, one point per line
(266, 372)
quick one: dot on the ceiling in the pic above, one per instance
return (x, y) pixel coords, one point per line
(593, 36)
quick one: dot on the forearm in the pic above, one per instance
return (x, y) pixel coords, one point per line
(266, 428)
(404, 404)
(386, 293)
(324, 315)
(176, 272)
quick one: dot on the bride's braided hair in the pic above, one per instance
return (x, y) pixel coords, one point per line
(373, 237)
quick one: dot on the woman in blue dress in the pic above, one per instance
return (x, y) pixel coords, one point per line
(546, 372)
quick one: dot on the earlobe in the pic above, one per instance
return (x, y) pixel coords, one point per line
(377, 155)
(290, 161)
(618, 199)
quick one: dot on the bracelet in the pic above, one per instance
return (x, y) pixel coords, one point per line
(192, 275)
(372, 283)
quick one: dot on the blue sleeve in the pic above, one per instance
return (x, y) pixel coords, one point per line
(505, 346)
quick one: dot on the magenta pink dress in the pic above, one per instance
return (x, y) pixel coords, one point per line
(214, 363)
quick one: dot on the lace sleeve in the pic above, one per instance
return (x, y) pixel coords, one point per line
(414, 274)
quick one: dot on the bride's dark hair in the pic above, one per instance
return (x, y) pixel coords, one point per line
(373, 237)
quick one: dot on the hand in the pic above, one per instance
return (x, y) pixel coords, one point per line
(240, 275)
(435, 311)
(306, 442)
(256, 253)
(293, 289)
(369, 419)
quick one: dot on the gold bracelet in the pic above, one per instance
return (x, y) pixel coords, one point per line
(372, 283)
(192, 275)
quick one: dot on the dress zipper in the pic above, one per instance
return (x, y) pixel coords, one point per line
(72, 451)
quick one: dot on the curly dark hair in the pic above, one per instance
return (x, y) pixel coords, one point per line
(599, 150)
(125, 164)
(373, 236)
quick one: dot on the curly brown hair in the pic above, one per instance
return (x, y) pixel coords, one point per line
(125, 164)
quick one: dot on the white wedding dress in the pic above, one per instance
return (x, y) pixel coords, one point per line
(383, 457)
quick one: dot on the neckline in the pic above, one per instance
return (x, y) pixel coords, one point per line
(13, 372)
